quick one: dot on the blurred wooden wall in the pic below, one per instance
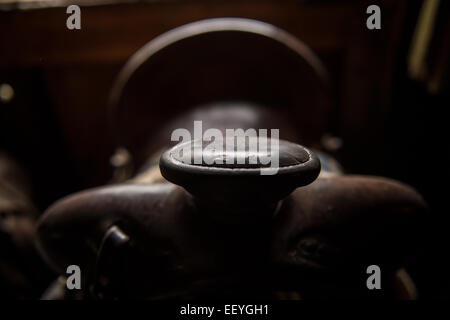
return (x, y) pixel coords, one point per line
(76, 68)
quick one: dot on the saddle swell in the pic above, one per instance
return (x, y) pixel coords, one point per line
(332, 227)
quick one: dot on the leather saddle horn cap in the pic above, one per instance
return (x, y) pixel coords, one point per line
(240, 188)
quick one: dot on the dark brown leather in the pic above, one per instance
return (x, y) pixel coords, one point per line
(214, 234)
(333, 227)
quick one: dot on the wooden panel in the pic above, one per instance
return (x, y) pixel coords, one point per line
(113, 33)
(79, 66)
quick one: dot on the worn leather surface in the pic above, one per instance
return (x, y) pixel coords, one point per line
(334, 226)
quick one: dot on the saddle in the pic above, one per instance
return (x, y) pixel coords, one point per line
(184, 229)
